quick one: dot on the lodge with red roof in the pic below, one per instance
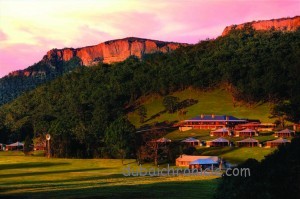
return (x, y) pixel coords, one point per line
(211, 122)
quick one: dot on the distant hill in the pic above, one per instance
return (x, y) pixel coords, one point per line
(18, 82)
(78, 108)
(113, 51)
(59, 61)
(282, 24)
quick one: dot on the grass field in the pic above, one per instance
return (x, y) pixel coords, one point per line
(204, 135)
(234, 155)
(217, 102)
(38, 177)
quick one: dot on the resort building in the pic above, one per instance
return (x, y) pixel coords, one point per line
(185, 160)
(222, 132)
(191, 141)
(285, 133)
(257, 126)
(15, 146)
(163, 140)
(39, 146)
(203, 164)
(276, 143)
(296, 127)
(248, 142)
(211, 122)
(246, 133)
(219, 142)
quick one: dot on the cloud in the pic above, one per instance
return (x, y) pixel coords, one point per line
(126, 23)
(135, 23)
(3, 36)
(87, 36)
(30, 31)
(18, 56)
(210, 18)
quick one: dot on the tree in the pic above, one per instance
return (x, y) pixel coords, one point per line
(170, 103)
(119, 138)
(28, 145)
(282, 111)
(142, 112)
(149, 149)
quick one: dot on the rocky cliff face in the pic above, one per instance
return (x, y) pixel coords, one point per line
(112, 51)
(283, 24)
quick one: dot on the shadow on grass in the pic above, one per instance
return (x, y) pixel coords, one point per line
(11, 175)
(155, 116)
(57, 183)
(30, 165)
(216, 151)
(178, 189)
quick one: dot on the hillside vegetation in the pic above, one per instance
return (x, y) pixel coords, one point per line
(12, 86)
(217, 101)
(81, 108)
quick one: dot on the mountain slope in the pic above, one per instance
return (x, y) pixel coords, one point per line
(282, 24)
(113, 51)
(78, 108)
(19, 82)
(57, 62)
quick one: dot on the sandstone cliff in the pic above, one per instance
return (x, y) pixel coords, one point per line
(113, 51)
(283, 24)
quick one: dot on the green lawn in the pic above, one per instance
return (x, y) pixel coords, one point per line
(204, 135)
(233, 155)
(217, 102)
(236, 155)
(38, 177)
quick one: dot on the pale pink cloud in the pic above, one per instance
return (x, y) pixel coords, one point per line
(3, 36)
(182, 21)
(136, 23)
(210, 18)
(128, 24)
(87, 36)
(17, 56)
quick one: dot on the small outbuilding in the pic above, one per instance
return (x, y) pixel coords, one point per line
(218, 142)
(246, 133)
(185, 160)
(163, 140)
(276, 143)
(203, 164)
(15, 146)
(40, 146)
(296, 127)
(191, 141)
(285, 133)
(248, 142)
(222, 132)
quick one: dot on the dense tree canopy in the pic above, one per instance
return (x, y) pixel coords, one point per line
(13, 86)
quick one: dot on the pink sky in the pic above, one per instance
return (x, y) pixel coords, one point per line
(29, 28)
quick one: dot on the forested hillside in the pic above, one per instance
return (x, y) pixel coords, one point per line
(15, 84)
(80, 108)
